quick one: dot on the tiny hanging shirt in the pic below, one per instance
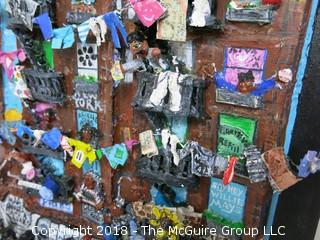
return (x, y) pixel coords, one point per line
(82, 151)
(117, 154)
(7, 60)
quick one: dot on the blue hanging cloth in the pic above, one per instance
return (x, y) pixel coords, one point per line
(52, 138)
(45, 25)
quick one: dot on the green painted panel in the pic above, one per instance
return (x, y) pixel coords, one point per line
(235, 133)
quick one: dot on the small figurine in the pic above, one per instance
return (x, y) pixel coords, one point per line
(91, 191)
(246, 82)
(284, 77)
(145, 58)
(28, 171)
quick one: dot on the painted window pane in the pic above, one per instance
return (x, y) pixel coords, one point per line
(239, 60)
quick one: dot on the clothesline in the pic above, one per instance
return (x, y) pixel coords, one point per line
(64, 37)
(78, 150)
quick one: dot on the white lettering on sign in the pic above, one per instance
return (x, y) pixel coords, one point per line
(88, 101)
(227, 201)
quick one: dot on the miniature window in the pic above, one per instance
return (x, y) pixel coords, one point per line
(251, 11)
(242, 81)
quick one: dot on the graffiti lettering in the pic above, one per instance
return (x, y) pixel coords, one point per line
(88, 101)
(227, 201)
(243, 138)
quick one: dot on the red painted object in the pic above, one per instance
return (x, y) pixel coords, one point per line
(271, 2)
(229, 173)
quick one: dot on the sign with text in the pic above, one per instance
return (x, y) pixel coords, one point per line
(227, 201)
(14, 214)
(86, 96)
(234, 134)
(84, 117)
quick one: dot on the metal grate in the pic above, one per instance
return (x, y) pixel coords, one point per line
(45, 86)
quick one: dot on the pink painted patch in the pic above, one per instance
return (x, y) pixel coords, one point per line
(231, 75)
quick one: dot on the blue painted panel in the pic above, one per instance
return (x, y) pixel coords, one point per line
(9, 44)
(95, 167)
(227, 201)
(84, 117)
(294, 104)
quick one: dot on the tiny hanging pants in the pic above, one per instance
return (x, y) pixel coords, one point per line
(116, 26)
(167, 81)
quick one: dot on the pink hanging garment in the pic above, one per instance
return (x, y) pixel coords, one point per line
(7, 61)
(148, 11)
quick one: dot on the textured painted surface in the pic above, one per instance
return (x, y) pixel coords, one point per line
(281, 39)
